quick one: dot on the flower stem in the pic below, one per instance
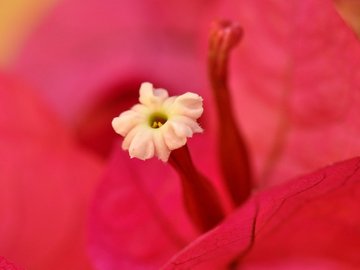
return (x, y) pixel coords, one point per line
(234, 156)
(200, 198)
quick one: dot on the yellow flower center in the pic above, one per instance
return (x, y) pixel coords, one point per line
(157, 119)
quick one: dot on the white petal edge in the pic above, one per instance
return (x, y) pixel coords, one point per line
(142, 145)
(126, 121)
(161, 149)
(195, 127)
(130, 136)
(151, 97)
(188, 104)
(171, 139)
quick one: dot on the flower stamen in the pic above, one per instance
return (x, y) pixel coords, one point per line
(157, 120)
(236, 169)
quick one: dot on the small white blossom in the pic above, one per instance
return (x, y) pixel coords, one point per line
(159, 123)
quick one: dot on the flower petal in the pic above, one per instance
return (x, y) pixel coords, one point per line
(127, 121)
(150, 96)
(192, 124)
(46, 184)
(137, 220)
(310, 221)
(142, 145)
(130, 136)
(144, 50)
(88, 72)
(162, 151)
(188, 104)
(297, 81)
(172, 140)
(181, 129)
(6, 265)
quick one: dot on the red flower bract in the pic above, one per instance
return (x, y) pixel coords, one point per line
(6, 265)
(297, 86)
(309, 223)
(46, 184)
(291, 76)
(296, 79)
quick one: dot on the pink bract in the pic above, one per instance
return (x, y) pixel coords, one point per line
(285, 79)
(6, 265)
(295, 81)
(291, 76)
(46, 184)
(309, 223)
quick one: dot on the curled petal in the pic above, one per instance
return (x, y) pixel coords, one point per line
(188, 104)
(195, 127)
(126, 121)
(152, 97)
(181, 129)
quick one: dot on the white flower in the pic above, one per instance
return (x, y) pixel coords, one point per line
(159, 124)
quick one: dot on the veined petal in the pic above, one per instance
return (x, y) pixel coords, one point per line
(292, 226)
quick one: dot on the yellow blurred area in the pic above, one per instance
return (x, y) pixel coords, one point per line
(350, 11)
(17, 19)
